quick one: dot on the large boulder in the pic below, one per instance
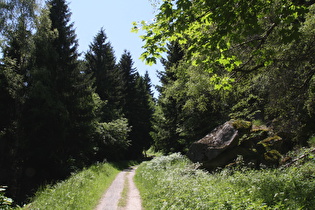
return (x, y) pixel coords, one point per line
(236, 137)
(209, 147)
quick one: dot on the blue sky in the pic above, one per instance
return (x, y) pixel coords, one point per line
(116, 17)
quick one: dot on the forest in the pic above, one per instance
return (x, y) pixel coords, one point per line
(234, 59)
(61, 111)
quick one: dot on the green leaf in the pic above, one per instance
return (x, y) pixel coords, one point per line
(238, 63)
(150, 61)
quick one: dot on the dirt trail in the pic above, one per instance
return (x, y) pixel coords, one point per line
(111, 197)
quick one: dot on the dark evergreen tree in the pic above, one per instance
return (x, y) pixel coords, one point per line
(174, 55)
(127, 78)
(136, 106)
(16, 32)
(101, 63)
(73, 86)
(146, 105)
(166, 118)
(11, 88)
(59, 120)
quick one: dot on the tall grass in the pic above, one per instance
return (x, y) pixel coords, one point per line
(173, 182)
(81, 191)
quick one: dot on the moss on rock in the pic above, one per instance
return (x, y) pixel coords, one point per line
(272, 157)
(241, 124)
(273, 142)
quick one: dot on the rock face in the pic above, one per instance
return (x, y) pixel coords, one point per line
(213, 144)
(221, 147)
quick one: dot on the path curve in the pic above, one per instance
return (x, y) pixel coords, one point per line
(110, 199)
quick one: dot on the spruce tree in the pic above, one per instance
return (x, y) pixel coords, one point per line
(137, 105)
(166, 117)
(45, 114)
(127, 76)
(145, 102)
(11, 88)
(16, 32)
(101, 63)
(74, 87)
(59, 118)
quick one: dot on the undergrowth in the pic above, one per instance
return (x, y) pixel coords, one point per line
(81, 191)
(173, 182)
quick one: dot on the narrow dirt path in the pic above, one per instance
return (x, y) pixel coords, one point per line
(112, 196)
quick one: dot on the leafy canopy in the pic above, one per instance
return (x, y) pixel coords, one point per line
(222, 34)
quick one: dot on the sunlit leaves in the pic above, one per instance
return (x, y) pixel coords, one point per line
(220, 30)
(135, 28)
(221, 82)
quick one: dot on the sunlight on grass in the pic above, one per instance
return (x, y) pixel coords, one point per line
(173, 182)
(81, 191)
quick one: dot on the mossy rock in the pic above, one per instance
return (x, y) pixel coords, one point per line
(250, 140)
(241, 124)
(237, 137)
(260, 133)
(256, 128)
(273, 142)
(272, 157)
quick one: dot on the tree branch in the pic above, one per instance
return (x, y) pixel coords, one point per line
(262, 41)
(297, 159)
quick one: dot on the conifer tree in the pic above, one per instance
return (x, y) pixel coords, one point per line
(166, 118)
(73, 86)
(59, 117)
(145, 102)
(16, 36)
(127, 76)
(45, 114)
(137, 105)
(101, 63)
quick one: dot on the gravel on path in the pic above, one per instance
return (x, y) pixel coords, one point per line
(110, 199)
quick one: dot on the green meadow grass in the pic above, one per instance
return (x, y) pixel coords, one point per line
(173, 182)
(81, 191)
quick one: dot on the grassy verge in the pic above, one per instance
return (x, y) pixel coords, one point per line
(172, 182)
(81, 191)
